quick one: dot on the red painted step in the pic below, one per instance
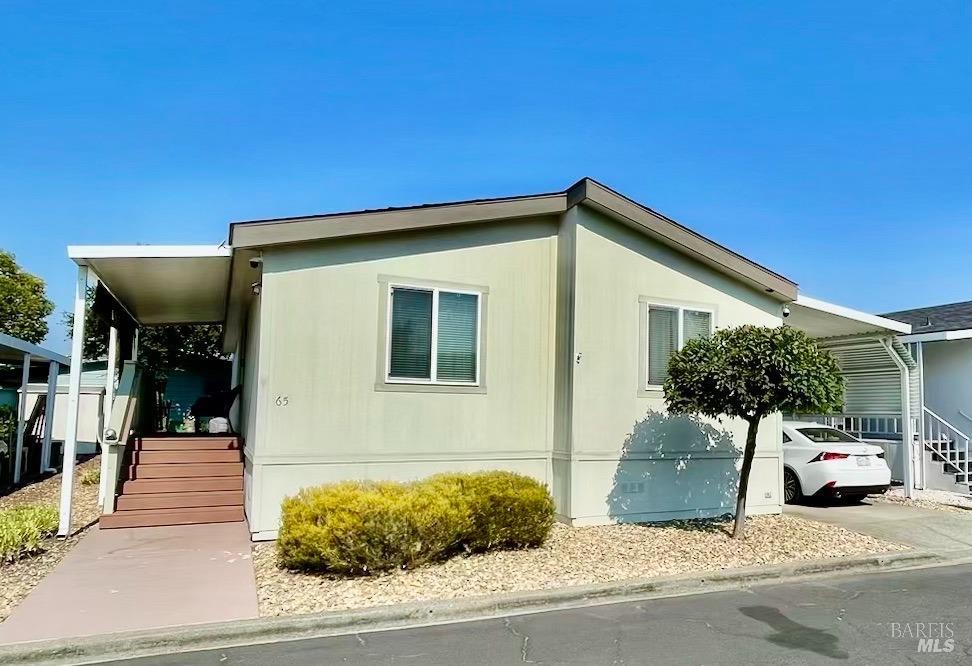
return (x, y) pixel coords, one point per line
(204, 456)
(184, 485)
(182, 470)
(186, 516)
(179, 500)
(184, 443)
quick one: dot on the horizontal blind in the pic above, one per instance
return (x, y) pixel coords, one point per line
(411, 334)
(457, 348)
(662, 342)
(696, 324)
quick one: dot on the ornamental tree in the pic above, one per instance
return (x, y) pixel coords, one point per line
(24, 306)
(750, 372)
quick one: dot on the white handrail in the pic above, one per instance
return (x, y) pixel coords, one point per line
(941, 444)
(119, 429)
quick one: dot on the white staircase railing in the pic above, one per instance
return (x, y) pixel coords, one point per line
(948, 443)
(120, 424)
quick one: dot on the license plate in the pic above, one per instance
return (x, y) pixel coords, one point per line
(863, 461)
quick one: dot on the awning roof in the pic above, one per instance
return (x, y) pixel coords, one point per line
(12, 350)
(162, 284)
(821, 319)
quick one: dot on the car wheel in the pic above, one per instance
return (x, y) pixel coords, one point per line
(791, 486)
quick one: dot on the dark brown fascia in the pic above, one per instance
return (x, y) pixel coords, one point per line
(247, 238)
(266, 233)
(590, 193)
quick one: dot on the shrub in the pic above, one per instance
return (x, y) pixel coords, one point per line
(23, 528)
(359, 527)
(91, 477)
(506, 510)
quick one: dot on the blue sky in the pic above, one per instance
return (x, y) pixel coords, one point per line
(829, 141)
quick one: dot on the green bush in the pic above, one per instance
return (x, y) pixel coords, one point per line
(359, 527)
(23, 528)
(506, 510)
(91, 477)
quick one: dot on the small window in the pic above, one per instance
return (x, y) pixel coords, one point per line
(669, 327)
(786, 438)
(433, 336)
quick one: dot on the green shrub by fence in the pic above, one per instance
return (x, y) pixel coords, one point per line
(23, 528)
(359, 527)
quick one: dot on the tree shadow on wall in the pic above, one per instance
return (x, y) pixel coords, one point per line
(681, 465)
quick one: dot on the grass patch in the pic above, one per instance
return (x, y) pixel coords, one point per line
(23, 529)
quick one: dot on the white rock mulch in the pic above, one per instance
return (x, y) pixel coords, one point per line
(571, 556)
(940, 500)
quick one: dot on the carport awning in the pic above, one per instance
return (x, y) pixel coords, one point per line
(12, 350)
(820, 319)
(162, 284)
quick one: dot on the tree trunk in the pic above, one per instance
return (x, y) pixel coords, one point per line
(740, 525)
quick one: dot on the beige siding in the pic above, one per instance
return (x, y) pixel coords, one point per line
(321, 339)
(670, 467)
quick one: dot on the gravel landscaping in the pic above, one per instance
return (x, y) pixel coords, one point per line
(571, 556)
(939, 500)
(18, 578)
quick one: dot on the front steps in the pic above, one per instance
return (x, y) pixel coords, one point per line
(177, 480)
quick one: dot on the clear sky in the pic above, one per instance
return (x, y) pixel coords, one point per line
(830, 141)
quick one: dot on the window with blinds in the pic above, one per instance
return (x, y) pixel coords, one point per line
(433, 336)
(669, 327)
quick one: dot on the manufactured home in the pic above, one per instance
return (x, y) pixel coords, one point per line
(528, 333)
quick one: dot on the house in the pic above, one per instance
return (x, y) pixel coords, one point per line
(527, 333)
(28, 454)
(941, 342)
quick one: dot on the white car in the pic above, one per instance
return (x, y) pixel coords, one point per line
(822, 461)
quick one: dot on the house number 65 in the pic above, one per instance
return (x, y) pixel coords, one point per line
(282, 400)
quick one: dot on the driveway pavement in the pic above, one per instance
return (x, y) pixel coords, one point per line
(141, 578)
(929, 529)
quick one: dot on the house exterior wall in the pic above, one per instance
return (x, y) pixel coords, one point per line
(90, 410)
(629, 460)
(326, 418)
(948, 381)
(562, 400)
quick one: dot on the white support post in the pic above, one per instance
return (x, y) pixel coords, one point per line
(74, 394)
(52, 373)
(21, 419)
(106, 411)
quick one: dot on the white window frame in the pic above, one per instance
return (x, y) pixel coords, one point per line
(680, 309)
(433, 370)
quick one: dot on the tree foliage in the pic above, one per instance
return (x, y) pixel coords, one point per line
(24, 306)
(161, 349)
(750, 372)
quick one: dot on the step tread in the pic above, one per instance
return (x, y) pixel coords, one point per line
(182, 470)
(180, 516)
(183, 456)
(187, 484)
(174, 500)
(184, 443)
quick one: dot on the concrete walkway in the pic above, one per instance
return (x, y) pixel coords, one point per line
(141, 578)
(945, 532)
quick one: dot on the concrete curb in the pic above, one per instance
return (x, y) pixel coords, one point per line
(107, 647)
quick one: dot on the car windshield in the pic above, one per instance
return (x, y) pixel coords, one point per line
(826, 435)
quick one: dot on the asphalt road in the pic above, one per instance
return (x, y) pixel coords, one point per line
(872, 619)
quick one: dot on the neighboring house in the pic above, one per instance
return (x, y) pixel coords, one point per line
(90, 407)
(941, 342)
(527, 333)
